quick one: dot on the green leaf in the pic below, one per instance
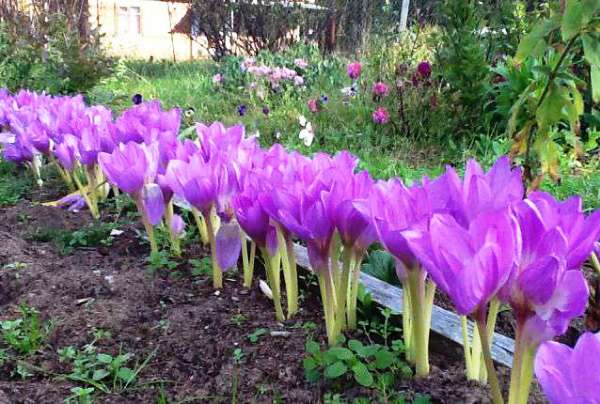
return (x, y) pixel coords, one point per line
(355, 345)
(310, 363)
(100, 374)
(384, 359)
(591, 48)
(104, 358)
(342, 353)
(335, 370)
(572, 19)
(312, 375)
(126, 374)
(550, 110)
(368, 350)
(595, 74)
(313, 348)
(590, 7)
(362, 374)
(535, 39)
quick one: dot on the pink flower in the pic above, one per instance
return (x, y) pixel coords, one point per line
(301, 63)
(381, 116)
(424, 69)
(313, 105)
(354, 70)
(298, 81)
(217, 78)
(380, 89)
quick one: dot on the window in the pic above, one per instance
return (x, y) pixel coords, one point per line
(130, 20)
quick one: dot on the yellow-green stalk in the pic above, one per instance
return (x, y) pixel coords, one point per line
(64, 174)
(173, 238)
(147, 225)
(84, 191)
(247, 259)
(474, 361)
(420, 297)
(212, 232)
(201, 225)
(290, 274)
(353, 291)
(487, 356)
(272, 268)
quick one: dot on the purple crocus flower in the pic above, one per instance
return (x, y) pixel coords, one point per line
(177, 225)
(581, 232)
(65, 152)
(132, 167)
(479, 191)
(241, 110)
(73, 202)
(469, 265)
(543, 292)
(570, 375)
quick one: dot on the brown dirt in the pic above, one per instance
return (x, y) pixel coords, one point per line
(189, 330)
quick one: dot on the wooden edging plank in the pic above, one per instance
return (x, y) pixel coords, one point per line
(443, 322)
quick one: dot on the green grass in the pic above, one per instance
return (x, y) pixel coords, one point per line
(383, 150)
(13, 185)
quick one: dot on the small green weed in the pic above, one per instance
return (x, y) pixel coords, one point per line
(94, 234)
(161, 260)
(201, 267)
(374, 365)
(238, 319)
(100, 371)
(26, 334)
(253, 337)
(12, 185)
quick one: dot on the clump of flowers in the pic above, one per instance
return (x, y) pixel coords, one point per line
(313, 105)
(424, 69)
(381, 116)
(380, 90)
(354, 70)
(301, 63)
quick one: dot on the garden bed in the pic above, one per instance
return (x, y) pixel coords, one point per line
(194, 343)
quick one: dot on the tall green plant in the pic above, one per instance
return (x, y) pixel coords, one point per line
(554, 97)
(461, 59)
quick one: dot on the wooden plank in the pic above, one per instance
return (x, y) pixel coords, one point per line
(443, 322)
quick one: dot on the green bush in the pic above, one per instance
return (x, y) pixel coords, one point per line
(62, 61)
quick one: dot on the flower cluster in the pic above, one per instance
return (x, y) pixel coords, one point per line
(275, 75)
(476, 238)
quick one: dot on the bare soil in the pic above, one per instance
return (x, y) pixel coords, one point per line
(188, 330)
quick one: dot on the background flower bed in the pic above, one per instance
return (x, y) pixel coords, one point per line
(435, 133)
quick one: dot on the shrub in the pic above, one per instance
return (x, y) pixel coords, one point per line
(57, 57)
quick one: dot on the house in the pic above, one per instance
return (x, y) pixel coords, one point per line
(156, 29)
(144, 29)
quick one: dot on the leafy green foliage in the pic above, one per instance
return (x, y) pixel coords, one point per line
(161, 259)
(100, 371)
(26, 334)
(12, 186)
(58, 59)
(372, 365)
(553, 97)
(382, 266)
(254, 336)
(92, 235)
(461, 57)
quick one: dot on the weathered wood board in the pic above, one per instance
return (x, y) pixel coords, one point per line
(443, 322)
